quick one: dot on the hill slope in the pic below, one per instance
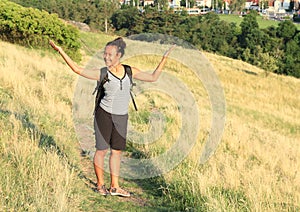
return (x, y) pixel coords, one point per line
(254, 168)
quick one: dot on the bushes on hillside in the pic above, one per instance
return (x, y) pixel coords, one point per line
(33, 28)
(95, 13)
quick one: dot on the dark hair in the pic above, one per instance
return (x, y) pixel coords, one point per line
(119, 43)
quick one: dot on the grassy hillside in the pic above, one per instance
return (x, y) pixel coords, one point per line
(38, 146)
(255, 168)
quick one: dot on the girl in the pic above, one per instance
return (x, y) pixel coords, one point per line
(110, 121)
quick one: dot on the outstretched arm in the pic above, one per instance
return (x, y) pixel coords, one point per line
(90, 74)
(152, 77)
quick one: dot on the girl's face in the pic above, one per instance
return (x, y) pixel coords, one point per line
(111, 56)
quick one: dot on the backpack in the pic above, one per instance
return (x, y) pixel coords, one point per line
(103, 79)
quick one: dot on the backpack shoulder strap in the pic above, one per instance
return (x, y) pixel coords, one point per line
(103, 75)
(99, 88)
(129, 73)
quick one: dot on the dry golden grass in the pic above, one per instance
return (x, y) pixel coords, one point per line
(257, 161)
(36, 132)
(256, 165)
(255, 168)
(261, 140)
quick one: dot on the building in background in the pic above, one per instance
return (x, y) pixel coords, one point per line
(249, 4)
(283, 4)
(174, 3)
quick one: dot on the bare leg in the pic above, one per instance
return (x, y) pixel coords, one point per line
(114, 163)
(99, 166)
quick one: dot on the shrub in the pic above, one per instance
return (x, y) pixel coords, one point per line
(33, 28)
(296, 18)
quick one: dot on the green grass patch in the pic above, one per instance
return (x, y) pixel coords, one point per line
(268, 120)
(262, 23)
(92, 42)
(235, 200)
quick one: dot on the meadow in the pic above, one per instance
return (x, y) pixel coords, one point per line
(255, 167)
(263, 23)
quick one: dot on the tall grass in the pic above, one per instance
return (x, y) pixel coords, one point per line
(255, 168)
(38, 145)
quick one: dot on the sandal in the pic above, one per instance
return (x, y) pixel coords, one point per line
(102, 190)
(119, 192)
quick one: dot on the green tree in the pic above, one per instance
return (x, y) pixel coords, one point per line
(237, 5)
(161, 5)
(105, 9)
(249, 27)
(291, 58)
(128, 21)
(286, 30)
(188, 3)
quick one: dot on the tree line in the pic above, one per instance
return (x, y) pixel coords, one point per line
(275, 49)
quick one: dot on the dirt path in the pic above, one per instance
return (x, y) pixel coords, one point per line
(140, 197)
(146, 195)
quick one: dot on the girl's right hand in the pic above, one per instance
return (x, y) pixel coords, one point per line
(54, 46)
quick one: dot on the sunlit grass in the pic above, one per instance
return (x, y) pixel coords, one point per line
(255, 168)
(37, 160)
